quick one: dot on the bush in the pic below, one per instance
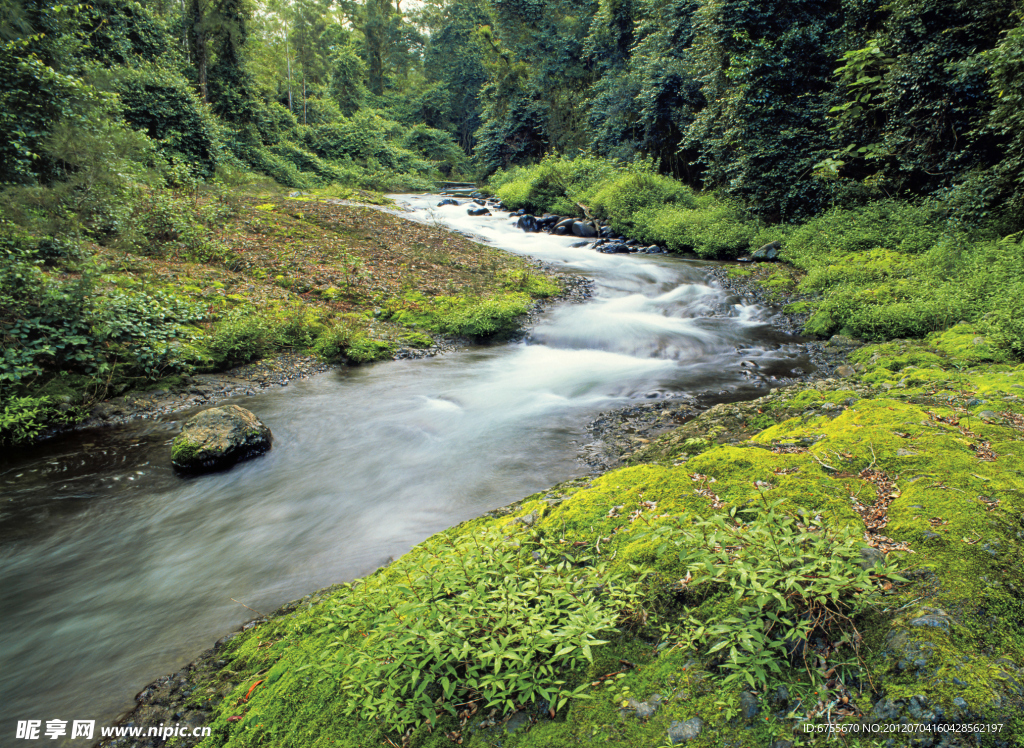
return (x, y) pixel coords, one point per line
(714, 229)
(439, 147)
(901, 227)
(637, 190)
(146, 328)
(555, 184)
(789, 579)
(241, 336)
(309, 163)
(635, 200)
(22, 419)
(347, 339)
(164, 106)
(482, 619)
(478, 317)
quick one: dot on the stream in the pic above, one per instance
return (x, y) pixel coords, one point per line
(116, 570)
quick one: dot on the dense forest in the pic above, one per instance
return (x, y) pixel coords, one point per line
(791, 107)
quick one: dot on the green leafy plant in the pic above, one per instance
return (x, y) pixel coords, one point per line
(481, 620)
(24, 418)
(794, 585)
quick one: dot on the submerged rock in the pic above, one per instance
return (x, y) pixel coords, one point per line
(527, 223)
(217, 438)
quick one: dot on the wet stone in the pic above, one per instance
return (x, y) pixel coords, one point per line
(870, 557)
(682, 732)
(749, 707)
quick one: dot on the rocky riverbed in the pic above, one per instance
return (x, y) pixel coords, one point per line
(618, 434)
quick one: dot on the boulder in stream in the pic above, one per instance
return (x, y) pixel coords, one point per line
(584, 229)
(217, 438)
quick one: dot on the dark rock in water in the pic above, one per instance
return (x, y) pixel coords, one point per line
(584, 229)
(527, 223)
(478, 211)
(681, 732)
(448, 201)
(563, 227)
(547, 221)
(768, 252)
(520, 212)
(612, 248)
(217, 438)
(606, 231)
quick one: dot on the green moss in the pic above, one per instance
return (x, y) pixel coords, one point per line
(183, 449)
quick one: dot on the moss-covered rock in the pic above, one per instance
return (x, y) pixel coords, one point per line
(217, 438)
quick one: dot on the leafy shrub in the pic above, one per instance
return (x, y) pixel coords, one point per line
(900, 227)
(164, 106)
(715, 230)
(46, 320)
(281, 170)
(309, 163)
(537, 285)
(22, 419)
(347, 339)
(437, 146)
(147, 328)
(479, 619)
(555, 184)
(635, 190)
(637, 202)
(241, 336)
(790, 579)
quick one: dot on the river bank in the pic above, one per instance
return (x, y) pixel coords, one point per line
(185, 392)
(452, 436)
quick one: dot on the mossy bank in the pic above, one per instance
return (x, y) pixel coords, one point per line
(914, 463)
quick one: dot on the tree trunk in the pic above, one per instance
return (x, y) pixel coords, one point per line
(197, 26)
(288, 58)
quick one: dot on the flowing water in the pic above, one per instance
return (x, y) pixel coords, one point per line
(116, 571)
